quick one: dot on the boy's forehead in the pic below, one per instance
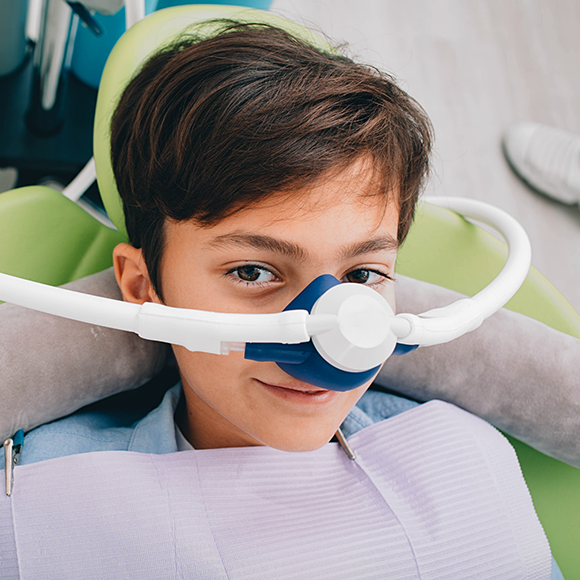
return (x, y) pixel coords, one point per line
(299, 228)
(345, 207)
(353, 193)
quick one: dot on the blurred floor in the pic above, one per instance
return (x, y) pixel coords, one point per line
(477, 67)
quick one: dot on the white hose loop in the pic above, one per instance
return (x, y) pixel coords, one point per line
(444, 324)
(206, 331)
(69, 304)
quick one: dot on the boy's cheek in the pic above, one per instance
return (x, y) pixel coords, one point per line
(388, 293)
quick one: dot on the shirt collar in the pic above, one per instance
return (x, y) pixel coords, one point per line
(156, 432)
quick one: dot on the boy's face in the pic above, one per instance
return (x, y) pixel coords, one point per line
(257, 261)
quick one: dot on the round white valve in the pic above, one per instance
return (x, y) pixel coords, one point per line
(363, 338)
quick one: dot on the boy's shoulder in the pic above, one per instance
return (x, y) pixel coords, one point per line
(154, 432)
(112, 429)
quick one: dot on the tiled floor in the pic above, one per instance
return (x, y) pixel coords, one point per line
(477, 67)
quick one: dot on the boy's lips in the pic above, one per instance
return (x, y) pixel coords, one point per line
(299, 392)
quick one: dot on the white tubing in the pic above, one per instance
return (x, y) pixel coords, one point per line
(96, 212)
(69, 304)
(201, 331)
(444, 324)
(134, 11)
(197, 330)
(208, 331)
(87, 175)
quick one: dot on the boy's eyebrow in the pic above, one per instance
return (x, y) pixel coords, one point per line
(296, 252)
(260, 242)
(385, 242)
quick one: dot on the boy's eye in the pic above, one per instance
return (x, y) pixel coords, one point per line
(365, 276)
(251, 273)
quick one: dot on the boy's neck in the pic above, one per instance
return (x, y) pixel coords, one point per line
(204, 427)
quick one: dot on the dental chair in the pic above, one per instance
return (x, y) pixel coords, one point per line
(47, 238)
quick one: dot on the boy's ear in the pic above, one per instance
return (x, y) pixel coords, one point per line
(132, 275)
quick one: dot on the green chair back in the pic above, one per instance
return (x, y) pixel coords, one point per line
(47, 238)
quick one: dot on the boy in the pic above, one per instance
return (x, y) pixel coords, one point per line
(249, 163)
(273, 168)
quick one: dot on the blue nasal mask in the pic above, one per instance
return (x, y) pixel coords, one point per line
(305, 362)
(332, 335)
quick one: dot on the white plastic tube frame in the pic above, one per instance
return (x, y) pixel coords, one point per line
(134, 12)
(219, 333)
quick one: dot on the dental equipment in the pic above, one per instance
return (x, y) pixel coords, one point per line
(332, 335)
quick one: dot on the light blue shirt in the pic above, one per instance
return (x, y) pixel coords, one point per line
(87, 431)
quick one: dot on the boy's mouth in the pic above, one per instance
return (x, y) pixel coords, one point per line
(299, 392)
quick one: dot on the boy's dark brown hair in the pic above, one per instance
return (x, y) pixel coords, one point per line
(213, 125)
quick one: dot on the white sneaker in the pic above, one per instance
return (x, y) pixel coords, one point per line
(546, 158)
